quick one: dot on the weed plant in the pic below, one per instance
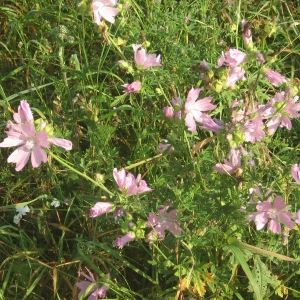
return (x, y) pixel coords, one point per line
(160, 196)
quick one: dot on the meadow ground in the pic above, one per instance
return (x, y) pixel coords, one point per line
(149, 149)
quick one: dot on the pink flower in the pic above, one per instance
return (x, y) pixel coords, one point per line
(164, 221)
(120, 242)
(230, 165)
(101, 208)
(145, 60)
(132, 87)
(194, 109)
(168, 111)
(31, 144)
(283, 110)
(163, 145)
(129, 185)
(235, 74)
(212, 125)
(66, 144)
(295, 170)
(275, 212)
(24, 113)
(94, 292)
(275, 77)
(232, 58)
(253, 130)
(103, 9)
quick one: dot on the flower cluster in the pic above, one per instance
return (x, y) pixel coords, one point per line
(32, 139)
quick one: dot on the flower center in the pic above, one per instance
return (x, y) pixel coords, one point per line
(272, 213)
(29, 144)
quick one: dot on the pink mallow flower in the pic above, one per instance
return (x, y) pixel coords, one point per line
(132, 87)
(128, 184)
(230, 165)
(295, 170)
(101, 208)
(145, 60)
(120, 242)
(31, 142)
(164, 221)
(194, 109)
(232, 58)
(94, 292)
(275, 211)
(235, 74)
(253, 130)
(274, 77)
(283, 110)
(103, 9)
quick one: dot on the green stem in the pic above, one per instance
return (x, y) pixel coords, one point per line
(63, 162)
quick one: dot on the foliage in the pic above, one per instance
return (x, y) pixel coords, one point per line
(188, 238)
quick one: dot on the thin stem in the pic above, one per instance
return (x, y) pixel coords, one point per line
(63, 162)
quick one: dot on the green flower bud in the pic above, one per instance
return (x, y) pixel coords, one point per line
(146, 44)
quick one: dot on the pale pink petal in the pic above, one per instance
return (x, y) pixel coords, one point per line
(190, 122)
(108, 13)
(278, 203)
(260, 220)
(204, 104)
(89, 277)
(227, 166)
(20, 157)
(93, 296)
(286, 218)
(297, 220)
(273, 124)
(38, 155)
(42, 139)
(13, 139)
(153, 220)
(274, 226)
(286, 122)
(264, 206)
(120, 177)
(140, 56)
(100, 208)
(66, 144)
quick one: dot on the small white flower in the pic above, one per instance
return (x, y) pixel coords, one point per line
(22, 211)
(55, 203)
(17, 218)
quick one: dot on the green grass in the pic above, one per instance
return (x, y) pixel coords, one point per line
(67, 68)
